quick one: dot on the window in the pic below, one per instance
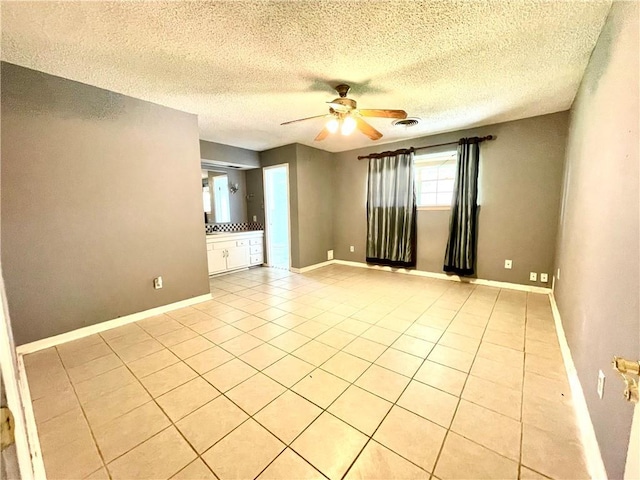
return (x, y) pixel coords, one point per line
(435, 175)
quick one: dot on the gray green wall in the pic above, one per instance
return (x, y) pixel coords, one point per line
(100, 194)
(226, 153)
(520, 182)
(598, 289)
(315, 212)
(255, 193)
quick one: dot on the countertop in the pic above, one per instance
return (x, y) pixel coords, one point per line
(233, 235)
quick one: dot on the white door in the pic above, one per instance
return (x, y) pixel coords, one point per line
(632, 468)
(276, 209)
(19, 455)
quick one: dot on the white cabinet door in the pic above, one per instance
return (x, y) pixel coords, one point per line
(237, 257)
(216, 261)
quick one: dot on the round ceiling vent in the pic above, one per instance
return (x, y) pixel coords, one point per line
(406, 122)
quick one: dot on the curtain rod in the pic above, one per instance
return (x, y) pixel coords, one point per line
(480, 139)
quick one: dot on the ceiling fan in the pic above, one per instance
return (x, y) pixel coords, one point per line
(345, 116)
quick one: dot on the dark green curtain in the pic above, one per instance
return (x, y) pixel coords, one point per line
(460, 256)
(391, 210)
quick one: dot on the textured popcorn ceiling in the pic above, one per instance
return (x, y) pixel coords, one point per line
(246, 67)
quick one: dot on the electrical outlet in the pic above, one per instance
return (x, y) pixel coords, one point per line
(508, 264)
(352, 248)
(533, 276)
(544, 277)
(157, 283)
(558, 274)
(600, 383)
(329, 254)
(255, 218)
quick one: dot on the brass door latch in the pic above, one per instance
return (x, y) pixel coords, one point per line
(7, 428)
(626, 368)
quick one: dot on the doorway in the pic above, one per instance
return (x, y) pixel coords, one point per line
(276, 209)
(20, 459)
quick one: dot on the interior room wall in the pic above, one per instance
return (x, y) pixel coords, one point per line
(100, 194)
(598, 287)
(519, 184)
(238, 200)
(255, 195)
(219, 152)
(315, 212)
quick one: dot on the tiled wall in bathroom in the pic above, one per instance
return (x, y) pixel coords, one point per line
(233, 227)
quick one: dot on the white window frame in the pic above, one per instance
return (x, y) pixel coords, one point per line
(433, 160)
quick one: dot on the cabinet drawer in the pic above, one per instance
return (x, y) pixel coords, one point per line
(255, 249)
(242, 243)
(255, 259)
(223, 245)
(255, 241)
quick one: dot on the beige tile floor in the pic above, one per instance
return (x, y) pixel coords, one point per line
(340, 373)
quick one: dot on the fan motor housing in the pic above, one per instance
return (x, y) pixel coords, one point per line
(343, 104)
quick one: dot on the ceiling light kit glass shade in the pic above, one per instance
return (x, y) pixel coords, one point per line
(332, 125)
(346, 125)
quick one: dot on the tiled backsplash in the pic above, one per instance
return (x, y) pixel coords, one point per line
(233, 227)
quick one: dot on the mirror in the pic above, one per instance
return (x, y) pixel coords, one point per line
(215, 196)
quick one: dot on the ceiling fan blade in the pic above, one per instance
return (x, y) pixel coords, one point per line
(383, 113)
(303, 119)
(367, 129)
(322, 135)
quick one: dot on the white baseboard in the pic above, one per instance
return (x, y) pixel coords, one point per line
(312, 267)
(593, 456)
(443, 276)
(106, 325)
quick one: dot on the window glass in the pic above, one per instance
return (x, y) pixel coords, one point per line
(435, 177)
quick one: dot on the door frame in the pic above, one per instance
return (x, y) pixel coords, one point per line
(18, 397)
(267, 231)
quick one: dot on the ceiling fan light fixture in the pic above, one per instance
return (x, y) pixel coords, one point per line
(348, 125)
(340, 117)
(332, 125)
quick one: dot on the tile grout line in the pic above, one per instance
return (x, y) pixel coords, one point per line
(316, 367)
(524, 369)
(370, 438)
(388, 347)
(200, 334)
(446, 434)
(84, 415)
(306, 319)
(153, 399)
